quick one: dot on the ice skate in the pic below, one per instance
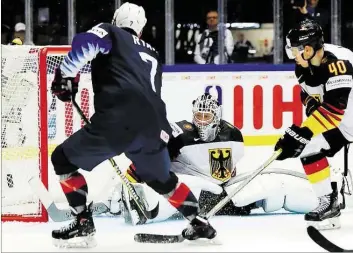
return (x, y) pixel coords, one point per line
(78, 234)
(199, 228)
(326, 215)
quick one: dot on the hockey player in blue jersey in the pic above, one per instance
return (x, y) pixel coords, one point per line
(129, 117)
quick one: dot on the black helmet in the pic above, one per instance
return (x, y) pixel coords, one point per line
(306, 33)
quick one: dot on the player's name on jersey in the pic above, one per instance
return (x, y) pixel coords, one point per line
(140, 42)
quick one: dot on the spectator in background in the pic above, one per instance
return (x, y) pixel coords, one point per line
(16, 41)
(310, 9)
(242, 49)
(20, 30)
(206, 50)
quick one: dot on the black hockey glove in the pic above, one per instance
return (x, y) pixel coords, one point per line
(310, 103)
(64, 87)
(293, 142)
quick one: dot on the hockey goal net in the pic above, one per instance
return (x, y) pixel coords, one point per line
(33, 123)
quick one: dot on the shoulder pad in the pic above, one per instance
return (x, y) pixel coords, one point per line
(187, 126)
(181, 127)
(227, 124)
(234, 134)
(176, 129)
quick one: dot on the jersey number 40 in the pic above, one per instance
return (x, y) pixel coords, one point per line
(339, 65)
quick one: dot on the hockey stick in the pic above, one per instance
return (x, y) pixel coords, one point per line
(147, 214)
(346, 176)
(346, 150)
(54, 212)
(158, 238)
(323, 242)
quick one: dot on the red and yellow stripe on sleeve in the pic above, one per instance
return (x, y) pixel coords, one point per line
(325, 118)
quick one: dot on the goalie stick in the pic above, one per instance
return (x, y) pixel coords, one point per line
(55, 213)
(323, 242)
(159, 238)
(140, 204)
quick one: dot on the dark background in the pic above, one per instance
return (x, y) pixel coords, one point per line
(92, 12)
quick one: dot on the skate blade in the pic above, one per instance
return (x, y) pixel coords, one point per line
(205, 242)
(328, 224)
(76, 242)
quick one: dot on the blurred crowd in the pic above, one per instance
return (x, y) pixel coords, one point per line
(248, 32)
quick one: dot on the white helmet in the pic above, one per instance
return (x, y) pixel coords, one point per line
(130, 16)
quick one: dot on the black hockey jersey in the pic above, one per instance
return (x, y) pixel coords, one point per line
(331, 83)
(126, 75)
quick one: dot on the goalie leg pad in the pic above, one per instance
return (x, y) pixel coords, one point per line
(264, 187)
(300, 196)
(275, 191)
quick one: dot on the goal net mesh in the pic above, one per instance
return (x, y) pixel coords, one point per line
(33, 123)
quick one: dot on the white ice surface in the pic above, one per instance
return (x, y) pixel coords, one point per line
(265, 233)
(257, 233)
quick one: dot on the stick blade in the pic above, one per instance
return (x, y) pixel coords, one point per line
(154, 238)
(322, 241)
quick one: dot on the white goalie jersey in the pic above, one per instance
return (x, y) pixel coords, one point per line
(214, 161)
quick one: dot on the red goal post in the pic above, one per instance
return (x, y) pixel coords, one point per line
(27, 73)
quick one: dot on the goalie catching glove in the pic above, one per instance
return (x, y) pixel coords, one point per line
(293, 142)
(64, 87)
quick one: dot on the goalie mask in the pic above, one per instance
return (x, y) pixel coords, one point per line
(206, 116)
